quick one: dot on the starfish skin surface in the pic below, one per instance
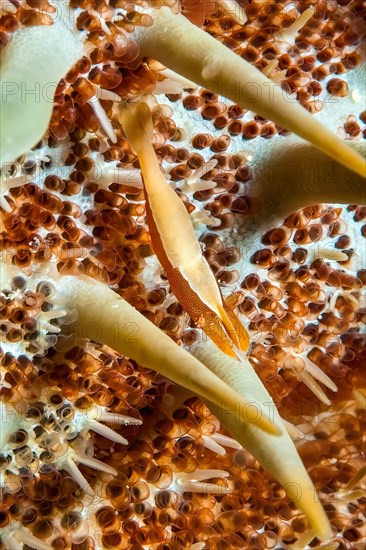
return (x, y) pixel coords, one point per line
(90, 310)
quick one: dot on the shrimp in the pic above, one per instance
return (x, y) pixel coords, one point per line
(176, 245)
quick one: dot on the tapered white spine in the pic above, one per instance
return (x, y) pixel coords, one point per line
(32, 64)
(290, 174)
(106, 318)
(196, 55)
(277, 455)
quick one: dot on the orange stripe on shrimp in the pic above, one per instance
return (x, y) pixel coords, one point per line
(176, 245)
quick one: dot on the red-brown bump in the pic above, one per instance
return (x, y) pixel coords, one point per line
(314, 106)
(264, 258)
(208, 96)
(182, 154)
(352, 127)
(322, 269)
(251, 129)
(192, 102)
(337, 87)
(220, 144)
(221, 121)
(250, 53)
(268, 130)
(277, 237)
(235, 127)
(212, 110)
(180, 172)
(195, 161)
(201, 141)
(240, 205)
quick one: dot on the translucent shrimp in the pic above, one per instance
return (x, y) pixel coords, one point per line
(176, 245)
